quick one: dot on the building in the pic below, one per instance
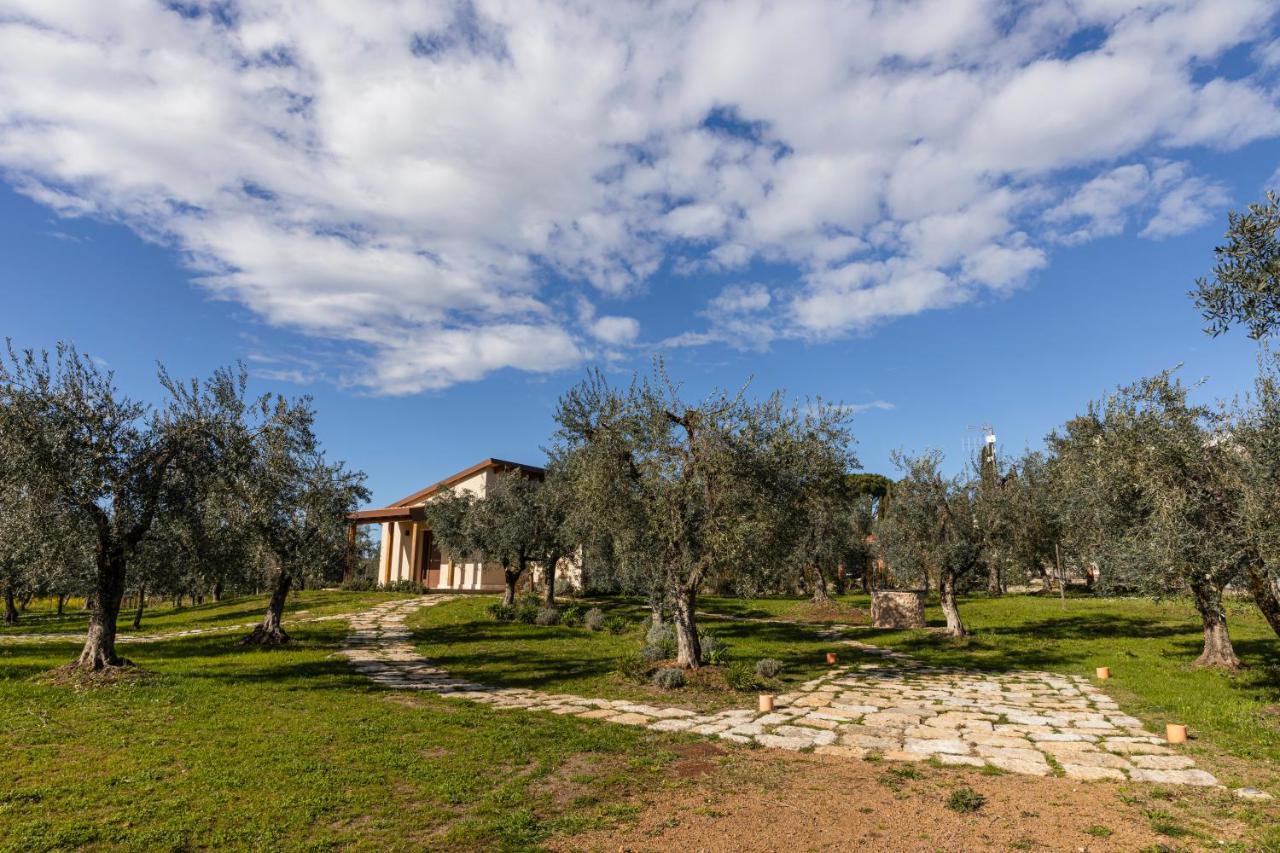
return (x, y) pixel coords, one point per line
(408, 551)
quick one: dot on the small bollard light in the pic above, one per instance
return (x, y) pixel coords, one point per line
(831, 657)
(766, 703)
(1175, 733)
(1103, 672)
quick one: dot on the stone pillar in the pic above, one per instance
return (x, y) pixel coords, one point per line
(897, 609)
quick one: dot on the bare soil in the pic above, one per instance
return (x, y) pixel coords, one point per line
(770, 800)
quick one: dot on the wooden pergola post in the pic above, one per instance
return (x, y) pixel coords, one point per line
(349, 568)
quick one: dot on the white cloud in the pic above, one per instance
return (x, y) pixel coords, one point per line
(1173, 201)
(874, 405)
(615, 330)
(428, 184)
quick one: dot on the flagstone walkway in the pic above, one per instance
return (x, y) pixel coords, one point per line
(1023, 722)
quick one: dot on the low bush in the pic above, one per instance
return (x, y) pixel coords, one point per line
(662, 635)
(564, 586)
(715, 651)
(501, 612)
(594, 619)
(404, 586)
(572, 615)
(741, 677)
(653, 654)
(547, 616)
(633, 667)
(768, 668)
(965, 800)
(359, 585)
(668, 679)
(527, 609)
(617, 624)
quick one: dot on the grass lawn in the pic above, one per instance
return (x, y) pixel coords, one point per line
(461, 637)
(290, 748)
(42, 616)
(1149, 646)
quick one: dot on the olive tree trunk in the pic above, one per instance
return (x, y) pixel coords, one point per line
(995, 585)
(947, 591)
(142, 602)
(1218, 651)
(270, 632)
(689, 650)
(549, 577)
(10, 608)
(62, 603)
(99, 649)
(217, 590)
(820, 595)
(511, 576)
(1266, 594)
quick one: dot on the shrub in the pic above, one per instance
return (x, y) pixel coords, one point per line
(564, 586)
(715, 651)
(668, 679)
(404, 586)
(617, 624)
(501, 612)
(571, 615)
(547, 616)
(633, 667)
(359, 584)
(965, 800)
(594, 619)
(740, 676)
(527, 609)
(653, 654)
(768, 668)
(663, 636)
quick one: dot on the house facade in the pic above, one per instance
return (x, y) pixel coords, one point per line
(408, 551)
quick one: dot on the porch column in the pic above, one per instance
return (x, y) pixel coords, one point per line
(349, 568)
(413, 552)
(388, 542)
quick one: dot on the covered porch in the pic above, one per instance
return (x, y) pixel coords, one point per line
(409, 552)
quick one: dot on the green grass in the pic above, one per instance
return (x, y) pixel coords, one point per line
(1148, 645)
(461, 637)
(162, 618)
(289, 748)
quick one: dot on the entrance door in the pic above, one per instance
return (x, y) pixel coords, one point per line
(431, 558)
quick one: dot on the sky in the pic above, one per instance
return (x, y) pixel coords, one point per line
(434, 217)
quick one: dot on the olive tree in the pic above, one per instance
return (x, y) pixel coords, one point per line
(295, 500)
(932, 528)
(1245, 285)
(1158, 500)
(100, 459)
(693, 486)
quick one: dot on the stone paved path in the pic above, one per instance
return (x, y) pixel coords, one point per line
(1023, 722)
(171, 635)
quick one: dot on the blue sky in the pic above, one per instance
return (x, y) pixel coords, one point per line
(942, 213)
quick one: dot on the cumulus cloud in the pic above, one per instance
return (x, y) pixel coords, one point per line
(1171, 199)
(427, 184)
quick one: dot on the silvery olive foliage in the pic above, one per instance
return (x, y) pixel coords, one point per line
(689, 491)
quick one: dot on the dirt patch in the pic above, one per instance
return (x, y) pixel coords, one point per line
(71, 675)
(831, 612)
(696, 760)
(579, 777)
(766, 800)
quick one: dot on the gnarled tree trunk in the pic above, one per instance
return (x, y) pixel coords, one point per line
(995, 585)
(270, 632)
(510, 576)
(62, 603)
(217, 590)
(1218, 651)
(10, 608)
(142, 602)
(655, 607)
(549, 577)
(1266, 594)
(689, 650)
(820, 595)
(99, 649)
(947, 590)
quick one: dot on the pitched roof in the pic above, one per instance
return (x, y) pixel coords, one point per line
(466, 474)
